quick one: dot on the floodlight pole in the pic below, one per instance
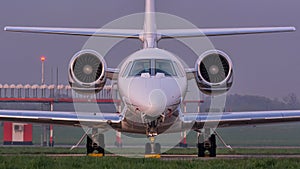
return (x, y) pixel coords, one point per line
(44, 140)
(43, 58)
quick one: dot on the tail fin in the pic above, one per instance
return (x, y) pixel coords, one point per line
(149, 36)
(150, 20)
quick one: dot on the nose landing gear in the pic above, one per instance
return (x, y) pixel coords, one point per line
(152, 149)
(152, 124)
(152, 129)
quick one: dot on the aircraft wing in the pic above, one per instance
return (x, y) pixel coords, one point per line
(228, 119)
(190, 73)
(112, 73)
(185, 33)
(117, 33)
(61, 118)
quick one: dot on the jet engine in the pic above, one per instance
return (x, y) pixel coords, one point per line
(87, 72)
(214, 74)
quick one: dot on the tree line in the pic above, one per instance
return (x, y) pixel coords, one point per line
(236, 102)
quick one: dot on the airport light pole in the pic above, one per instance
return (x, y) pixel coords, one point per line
(44, 142)
(43, 59)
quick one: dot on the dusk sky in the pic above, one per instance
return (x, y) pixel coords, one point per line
(266, 65)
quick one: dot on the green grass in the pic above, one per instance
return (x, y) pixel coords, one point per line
(16, 162)
(17, 157)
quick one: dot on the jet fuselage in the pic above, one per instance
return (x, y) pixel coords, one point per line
(152, 84)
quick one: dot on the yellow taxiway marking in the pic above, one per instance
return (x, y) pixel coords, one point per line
(152, 155)
(95, 155)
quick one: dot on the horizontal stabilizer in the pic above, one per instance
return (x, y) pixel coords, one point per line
(137, 33)
(185, 33)
(117, 33)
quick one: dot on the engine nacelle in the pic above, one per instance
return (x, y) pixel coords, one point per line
(214, 74)
(87, 72)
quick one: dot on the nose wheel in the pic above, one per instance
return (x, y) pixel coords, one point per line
(152, 149)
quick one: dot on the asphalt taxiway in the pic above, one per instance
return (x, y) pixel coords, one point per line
(173, 156)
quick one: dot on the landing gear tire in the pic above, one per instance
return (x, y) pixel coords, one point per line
(208, 145)
(152, 149)
(89, 145)
(147, 148)
(213, 148)
(99, 145)
(201, 150)
(157, 148)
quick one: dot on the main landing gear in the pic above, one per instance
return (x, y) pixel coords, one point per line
(95, 142)
(207, 144)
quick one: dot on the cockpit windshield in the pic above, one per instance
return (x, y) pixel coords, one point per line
(152, 66)
(140, 66)
(164, 66)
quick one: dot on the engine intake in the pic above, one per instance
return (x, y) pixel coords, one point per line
(214, 72)
(87, 72)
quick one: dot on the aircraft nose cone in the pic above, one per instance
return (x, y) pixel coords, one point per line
(152, 96)
(157, 103)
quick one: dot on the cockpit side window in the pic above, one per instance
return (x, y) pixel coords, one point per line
(127, 69)
(139, 67)
(164, 66)
(178, 69)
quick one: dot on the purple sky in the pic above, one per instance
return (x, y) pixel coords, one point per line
(266, 65)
